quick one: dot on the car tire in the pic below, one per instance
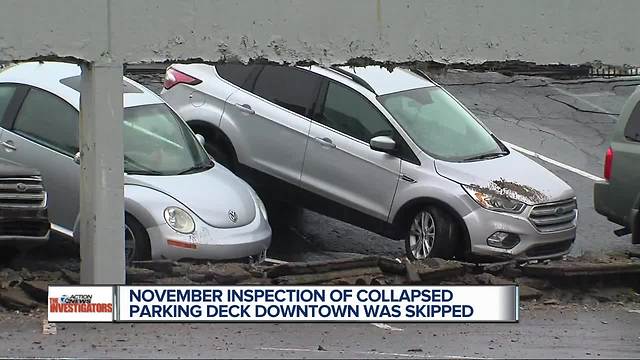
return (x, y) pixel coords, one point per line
(430, 234)
(137, 245)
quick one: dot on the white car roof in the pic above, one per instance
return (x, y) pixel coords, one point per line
(380, 79)
(63, 80)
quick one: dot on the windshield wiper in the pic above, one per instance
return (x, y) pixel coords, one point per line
(490, 155)
(196, 168)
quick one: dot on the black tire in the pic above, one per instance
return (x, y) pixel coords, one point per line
(141, 244)
(441, 244)
(220, 154)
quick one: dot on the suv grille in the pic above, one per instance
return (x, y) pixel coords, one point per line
(22, 192)
(554, 216)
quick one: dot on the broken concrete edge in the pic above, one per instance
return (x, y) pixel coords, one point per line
(507, 67)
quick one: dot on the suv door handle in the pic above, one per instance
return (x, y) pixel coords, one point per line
(325, 142)
(9, 145)
(245, 108)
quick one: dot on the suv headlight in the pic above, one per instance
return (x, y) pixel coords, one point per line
(493, 201)
(179, 220)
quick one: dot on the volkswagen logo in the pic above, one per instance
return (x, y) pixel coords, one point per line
(233, 216)
(20, 187)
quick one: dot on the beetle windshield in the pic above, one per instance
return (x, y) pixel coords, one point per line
(157, 142)
(440, 126)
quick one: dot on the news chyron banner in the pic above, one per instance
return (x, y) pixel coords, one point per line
(284, 303)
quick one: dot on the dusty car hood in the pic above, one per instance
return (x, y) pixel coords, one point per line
(514, 175)
(210, 194)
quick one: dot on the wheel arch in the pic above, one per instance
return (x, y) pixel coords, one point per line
(210, 131)
(406, 211)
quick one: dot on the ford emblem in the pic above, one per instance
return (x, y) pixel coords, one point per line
(20, 187)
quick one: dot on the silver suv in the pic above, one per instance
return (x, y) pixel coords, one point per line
(387, 150)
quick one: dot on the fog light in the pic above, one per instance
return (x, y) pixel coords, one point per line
(503, 240)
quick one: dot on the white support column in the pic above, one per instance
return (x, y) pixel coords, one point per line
(101, 175)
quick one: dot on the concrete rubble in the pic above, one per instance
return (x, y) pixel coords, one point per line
(23, 284)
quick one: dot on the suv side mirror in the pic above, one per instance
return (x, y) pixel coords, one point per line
(383, 144)
(200, 139)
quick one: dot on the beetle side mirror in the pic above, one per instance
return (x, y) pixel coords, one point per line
(383, 144)
(200, 139)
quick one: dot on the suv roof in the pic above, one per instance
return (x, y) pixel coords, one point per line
(380, 80)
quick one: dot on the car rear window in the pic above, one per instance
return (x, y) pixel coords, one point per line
(292, 88)
(236, 74)
(632, 130)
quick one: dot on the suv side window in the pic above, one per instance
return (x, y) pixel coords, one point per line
(632, 129)
(236, 74)
(48, 120)
(292, 88)
(6, 93)
(348, 112)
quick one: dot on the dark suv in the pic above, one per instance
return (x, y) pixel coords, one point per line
(24, 220)
(618, 197)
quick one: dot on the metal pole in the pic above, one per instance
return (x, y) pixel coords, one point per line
(101, 175)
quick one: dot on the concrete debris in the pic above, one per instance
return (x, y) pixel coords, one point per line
(16, 299)
(320, 278)
(49, 328)
(37, 289)
(9, 278)
(314, 267)
(229, 273)
(71, 276)
(572, 268)
(162, 266)
(528, 293)
(536, 283)
(140, 275)
(24, 286)
(489, 279)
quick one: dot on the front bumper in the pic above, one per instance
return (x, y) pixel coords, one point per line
(24, 227)
(482, 223)
(208, 242)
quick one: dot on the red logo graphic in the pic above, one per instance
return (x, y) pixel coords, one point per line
(77, 304)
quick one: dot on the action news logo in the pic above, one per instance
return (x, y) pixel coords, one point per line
(77, 304)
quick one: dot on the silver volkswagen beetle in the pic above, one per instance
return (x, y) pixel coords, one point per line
(179, 203)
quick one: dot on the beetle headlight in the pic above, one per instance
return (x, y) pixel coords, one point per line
(494, 201)
(179, 220)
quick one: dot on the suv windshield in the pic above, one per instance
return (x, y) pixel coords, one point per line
(157, 142)
(440, 126)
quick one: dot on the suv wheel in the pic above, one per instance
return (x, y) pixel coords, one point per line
(136, 241)
(429, 234)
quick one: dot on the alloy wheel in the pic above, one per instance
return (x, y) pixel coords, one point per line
(422, 235)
